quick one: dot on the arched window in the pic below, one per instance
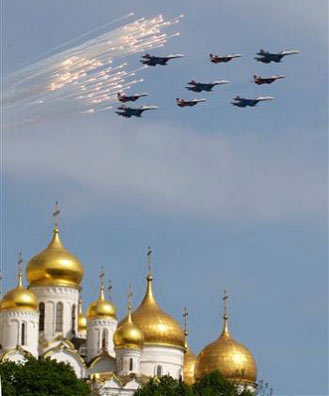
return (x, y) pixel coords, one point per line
(23, 332)
(159, 371)
(130, 364)
(42, 316)
(104, 340)
(73, 318)
(59, 316)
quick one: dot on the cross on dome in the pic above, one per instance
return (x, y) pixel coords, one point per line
(56, 213)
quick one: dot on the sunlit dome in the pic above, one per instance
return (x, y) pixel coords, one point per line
(54, 266)
(232, 359)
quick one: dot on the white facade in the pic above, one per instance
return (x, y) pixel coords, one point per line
(162, 360)
(100, 333)
(60, 311)
(20, 328)
(128, 361)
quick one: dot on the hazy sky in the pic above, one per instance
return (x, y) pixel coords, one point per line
(228, 198)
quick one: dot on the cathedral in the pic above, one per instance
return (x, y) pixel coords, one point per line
(46, 319)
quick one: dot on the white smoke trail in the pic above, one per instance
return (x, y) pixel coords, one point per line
(82, 78)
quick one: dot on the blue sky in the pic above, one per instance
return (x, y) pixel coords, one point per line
(228, 198)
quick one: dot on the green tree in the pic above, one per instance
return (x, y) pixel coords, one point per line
(210, 385)
(44, 377)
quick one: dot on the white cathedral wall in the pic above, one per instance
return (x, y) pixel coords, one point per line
(11, 330)
(95, 329)
(72, 360)
(170, 359)
(50, 296)
(123, 357)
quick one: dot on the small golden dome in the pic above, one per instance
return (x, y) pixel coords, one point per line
(190, 360)
(82, 320)
(128, 335)
(54, 266)
(232, 359)
(19, 298)
(101, 308)
(158, 327)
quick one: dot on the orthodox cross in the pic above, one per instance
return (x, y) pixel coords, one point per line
(185, 315)
(149, 260)
(109, 288)
(56, 214)
(225, 297)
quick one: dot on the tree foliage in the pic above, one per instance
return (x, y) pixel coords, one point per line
(44, 377)
(210, 385)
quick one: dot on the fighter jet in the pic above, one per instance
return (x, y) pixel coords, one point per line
(151, 60)
(268, 57)
(122, 97)
(128, 112)
(188, 103)
(199, 87)
(223, 59)
(266, 80)
(243, 102)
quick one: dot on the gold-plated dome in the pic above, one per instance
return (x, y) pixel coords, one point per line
(82, 320)
(232, 359)
(158, 327)
(54, 266)
(101, 308)
(19, 298)
(190, 360)
(128, 335)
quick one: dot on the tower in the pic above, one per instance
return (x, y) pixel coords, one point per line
(128, 341)
(20, 318)
(101, 324)
(54, 276)
(164, 343)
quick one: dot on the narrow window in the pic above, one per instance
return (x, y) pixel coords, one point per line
(59, 316)
(104, 340)
(42, 316)
(73, 318)
(23, 331)
(130, 364)
(159, 371)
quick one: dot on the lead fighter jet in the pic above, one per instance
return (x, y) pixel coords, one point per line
(199, 87)
(266, 80)
(223, 59)
(243, 102)
(128, 112)
(188, 103)
(268, 57)
(151, 60)
(122, 97)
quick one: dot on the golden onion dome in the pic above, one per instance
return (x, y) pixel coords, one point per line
(19, 298)
(128, 335)
(101, 308)
(232, 359)
(54, 266)
(158, 327)
(82, 320)
(190, 360)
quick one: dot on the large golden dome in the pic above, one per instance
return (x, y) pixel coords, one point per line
(54, 266)
(158, 327)
(232, 359)
(101, 308)
(19, 298)
(128, 335)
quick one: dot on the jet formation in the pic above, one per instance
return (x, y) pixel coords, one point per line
(198, 87)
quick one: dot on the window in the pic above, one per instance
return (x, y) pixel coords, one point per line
(23, 331)
(42, 317)
(59, 317)
(130, 364)
(104, 340)
(159, 371)
(73, 318)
